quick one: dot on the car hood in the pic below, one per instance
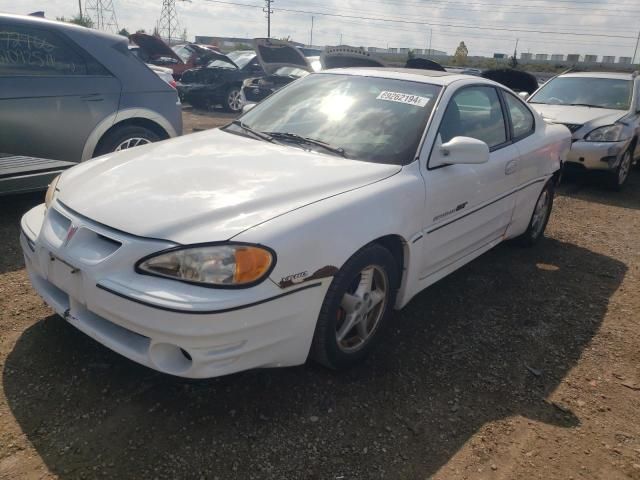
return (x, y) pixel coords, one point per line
(344, 56)
(273, 54)
(207, 186)
(578, 115)
(153, 46)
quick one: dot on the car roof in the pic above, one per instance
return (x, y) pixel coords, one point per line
(58, 25)
(417, 75)
(610, 75)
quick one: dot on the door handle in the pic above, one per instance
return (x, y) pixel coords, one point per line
(511, 167)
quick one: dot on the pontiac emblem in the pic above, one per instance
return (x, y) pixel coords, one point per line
(70, 233)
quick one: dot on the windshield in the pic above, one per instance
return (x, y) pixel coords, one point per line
(240, 58)
(373, 119)
(290, 72)
(588, 91)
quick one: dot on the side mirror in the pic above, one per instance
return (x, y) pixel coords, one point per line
(248, 106)
(460, 150)
(523, 95)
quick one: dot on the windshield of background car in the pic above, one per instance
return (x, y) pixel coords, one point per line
(597, 92)
(239, 58)
(373, 119)
(291, 72)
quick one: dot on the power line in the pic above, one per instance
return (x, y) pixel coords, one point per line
(416, 22)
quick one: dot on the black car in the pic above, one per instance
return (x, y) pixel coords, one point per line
(219, 81)
(255, 90)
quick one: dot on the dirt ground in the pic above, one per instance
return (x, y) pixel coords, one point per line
(522, 365)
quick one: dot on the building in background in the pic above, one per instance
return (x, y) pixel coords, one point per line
(573, 57)
(624, 60)
(542, 56)
(526, 56)
(557, 57)
(590, 58)
(608, 59)
(500, 56)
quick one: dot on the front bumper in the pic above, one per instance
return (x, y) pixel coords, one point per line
(597, 155)
(169, 326)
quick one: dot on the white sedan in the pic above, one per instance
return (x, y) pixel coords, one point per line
(295, 231)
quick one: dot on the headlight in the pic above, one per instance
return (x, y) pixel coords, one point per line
(608, 133)
(248, 82)
(51, 192)
(228, 265)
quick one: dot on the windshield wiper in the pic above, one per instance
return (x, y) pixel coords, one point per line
(311, 141)
(583, 105)
(261, 135)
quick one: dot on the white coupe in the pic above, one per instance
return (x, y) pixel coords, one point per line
(296, 230)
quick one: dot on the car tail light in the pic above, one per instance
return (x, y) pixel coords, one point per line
(173, 84)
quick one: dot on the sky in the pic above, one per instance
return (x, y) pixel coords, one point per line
(602, 27)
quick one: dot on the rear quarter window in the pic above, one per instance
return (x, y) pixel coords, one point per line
(27, 51)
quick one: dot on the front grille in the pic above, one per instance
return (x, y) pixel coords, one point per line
(573, 127)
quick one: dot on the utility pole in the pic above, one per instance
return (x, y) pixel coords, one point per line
(168, 25)
(635, 52)
(80, 7)
(268, 11)
(340, 38)
(430, 37)
(311, 36)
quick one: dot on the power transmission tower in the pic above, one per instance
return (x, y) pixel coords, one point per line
(103, 14)
(268, 11)
(168, 25)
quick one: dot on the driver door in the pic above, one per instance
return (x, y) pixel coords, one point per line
(468, 207)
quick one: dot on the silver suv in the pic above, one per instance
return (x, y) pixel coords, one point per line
(68, 94)
(602, 110)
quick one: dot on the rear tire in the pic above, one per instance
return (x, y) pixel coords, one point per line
(539, 217)
(356, 308)
(233, 100)
(125, 137)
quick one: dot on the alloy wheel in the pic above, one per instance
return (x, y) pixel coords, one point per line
(132, 142)
(624, 168)
(234, 100)
(361, 309)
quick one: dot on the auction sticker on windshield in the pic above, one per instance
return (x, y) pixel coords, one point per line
(403, 98)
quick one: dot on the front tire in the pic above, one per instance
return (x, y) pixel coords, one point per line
(123, 138)
(540, 216)
(619, 176)
(356, 308)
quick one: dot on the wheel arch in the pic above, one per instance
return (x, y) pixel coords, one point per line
(399, 248)
(117, 119)
(137, 122)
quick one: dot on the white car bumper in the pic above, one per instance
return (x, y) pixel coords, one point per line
(167, 325)
(597, 155)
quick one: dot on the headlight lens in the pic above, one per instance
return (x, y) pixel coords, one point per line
(230, 265)
(51, 192)
(608, 133)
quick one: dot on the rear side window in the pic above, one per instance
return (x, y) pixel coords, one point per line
(475, 112)
(521, 118)
(36, 52)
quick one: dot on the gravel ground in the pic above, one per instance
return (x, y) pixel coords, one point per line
(523, 364)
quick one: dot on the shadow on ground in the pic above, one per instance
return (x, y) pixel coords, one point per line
(12, 207)
(490, 341)
(592, 187)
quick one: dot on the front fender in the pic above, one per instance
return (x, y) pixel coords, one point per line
(314, 241)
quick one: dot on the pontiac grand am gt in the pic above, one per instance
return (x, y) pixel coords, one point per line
(296, 230)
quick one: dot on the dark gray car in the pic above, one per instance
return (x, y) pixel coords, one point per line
(69, 93)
